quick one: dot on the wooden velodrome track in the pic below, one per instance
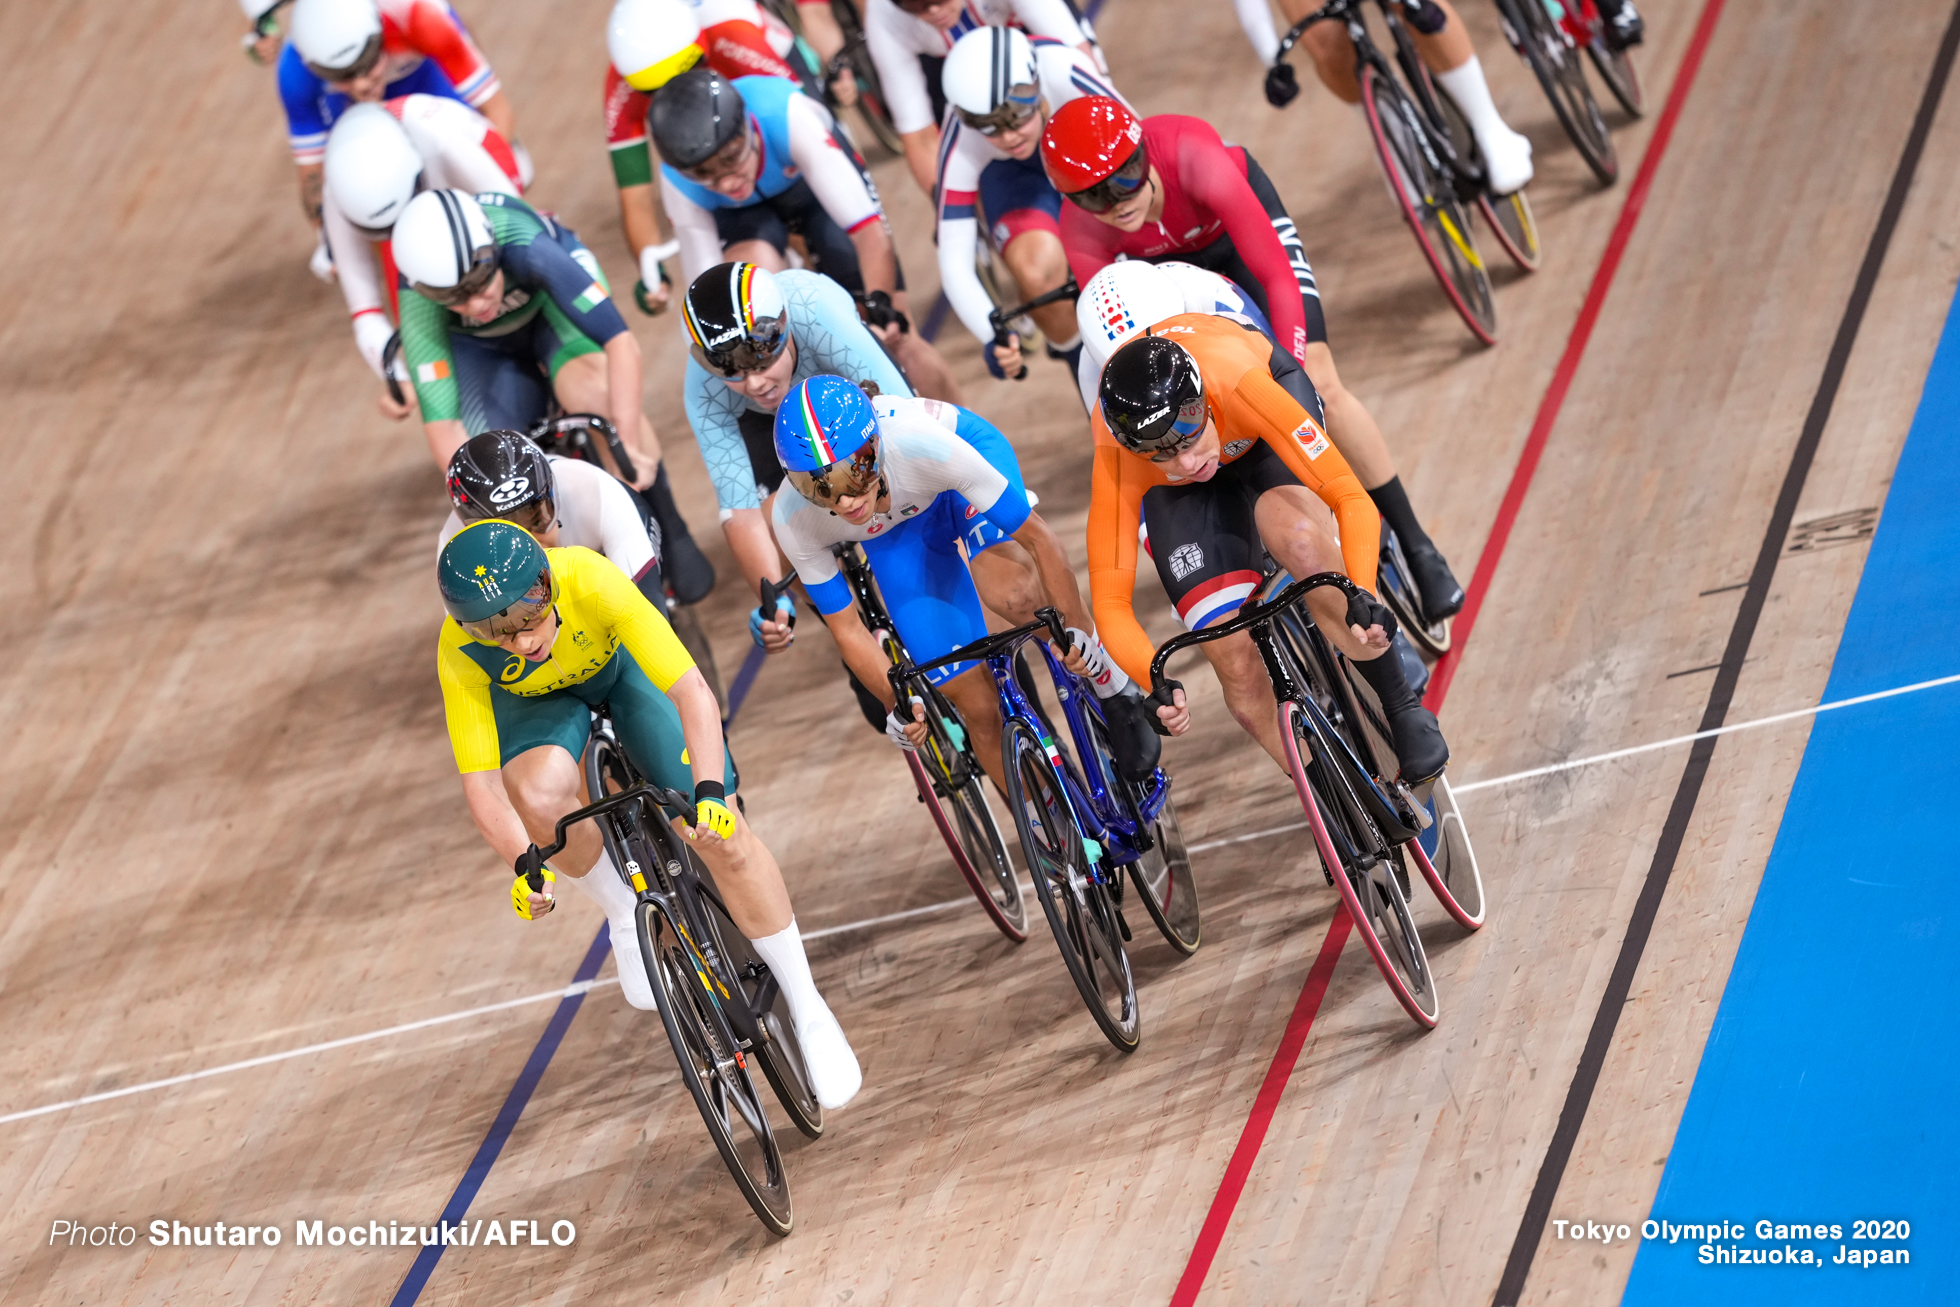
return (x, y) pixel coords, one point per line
(232, 827)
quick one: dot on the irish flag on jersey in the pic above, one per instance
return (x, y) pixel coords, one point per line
(590, 298)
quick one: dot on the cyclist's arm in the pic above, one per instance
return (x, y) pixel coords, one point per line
(475, 154)
(1115, 494)
(826, 322)
(1052, 19)
(904, 83)
(601, 499)
(359, 273)
(1261, 405)
(473, 737)
(1256, 17)
(959, 238)
(714, 410)
(1215, 182)
(432, 29)
(694, 228)
(841, 190)
(425, 353)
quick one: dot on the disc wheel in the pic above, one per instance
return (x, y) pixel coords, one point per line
(1078, 908)
(1428, 202)
(1615, 68)
(1509, 217)
(1554, 61)
(1162, 875)
(1444, 856)
(1398, 591)
(712, 1069)
(1372, 881)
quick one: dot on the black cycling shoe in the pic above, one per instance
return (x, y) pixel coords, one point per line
(1441, 595)
(1419, 743)
(689, 573)
(1624, 26)
(1132, 740)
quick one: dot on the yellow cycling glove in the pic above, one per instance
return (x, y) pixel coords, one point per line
(521, 891)
(711, 809)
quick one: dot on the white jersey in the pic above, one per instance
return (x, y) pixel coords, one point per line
(1204, 292)
(595, 510)
(460, 150)
(921, 458)
(1065, 74)
(713, 13)
(839, 187)
(897, 40)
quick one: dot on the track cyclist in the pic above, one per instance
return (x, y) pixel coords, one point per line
(1166, 187)
(746, 164)
(1444, 44)
(1002, 87)
(1221, 466)
(342, 52)
(535, 639)
(651, 42)
(922, 485)
(909, 38)
(378, 157)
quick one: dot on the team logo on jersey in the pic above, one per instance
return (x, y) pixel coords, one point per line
(1236, 448)
(509, 492)
(1001, 234)
(1311, 438)
(1186, 559)
(590, 298)
(513, 670)
(971, 510)
(908, 510)
(875, 528)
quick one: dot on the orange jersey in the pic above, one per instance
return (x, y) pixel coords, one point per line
(1248, 406)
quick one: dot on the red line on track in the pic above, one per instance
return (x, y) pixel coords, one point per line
(1238, 1170)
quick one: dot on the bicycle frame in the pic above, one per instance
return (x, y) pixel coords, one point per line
(1101, 809)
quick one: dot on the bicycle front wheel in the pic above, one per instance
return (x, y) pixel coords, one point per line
(1163, 874)
(1616, 70)
(777, 1048)
(1538, 36)
(713, 1069)
(1444, 856)
(1372, 881)
(1428, 202)
(1077, 906)
(973, 837)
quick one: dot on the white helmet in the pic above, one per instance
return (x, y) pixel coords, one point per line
(444, 246)
(257, 9)
(990, 77)
(372, 167)
(1121, 301)
(652, 41)
(337, 39)
(1204, 291)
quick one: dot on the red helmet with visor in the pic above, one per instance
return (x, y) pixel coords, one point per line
(1094, 153)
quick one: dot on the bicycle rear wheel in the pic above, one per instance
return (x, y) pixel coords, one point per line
(714, 1071)
(1428, 202)
(1372, 881)
(1509, 216)
(777, 1048)
(1444, 856)
(1541, 40)
(1163, 874)
(1616, 70)
(1398, 591)
(1077, 906)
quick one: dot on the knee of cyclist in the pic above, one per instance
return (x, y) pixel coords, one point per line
(540, 800)
(1038, 261)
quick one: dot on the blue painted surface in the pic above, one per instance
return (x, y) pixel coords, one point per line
(1829, 1088)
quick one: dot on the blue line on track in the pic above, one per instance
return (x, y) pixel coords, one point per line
(514, 1104)
(744, 682)
(1826, 1092)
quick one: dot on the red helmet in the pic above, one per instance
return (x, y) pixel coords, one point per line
(1088, 139)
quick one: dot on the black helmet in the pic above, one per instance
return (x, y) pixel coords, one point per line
(695, 115)
(1153, 396)
(735, 318)
(502, 474)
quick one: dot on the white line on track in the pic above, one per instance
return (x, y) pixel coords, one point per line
(554, 995)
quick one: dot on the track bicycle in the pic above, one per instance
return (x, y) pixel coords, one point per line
(946, 771)
(1434, 171)
(1365, 825)
(1399, 592)
(1014, 321)
(723, 1011)
(1548, 35)
(1081, 825)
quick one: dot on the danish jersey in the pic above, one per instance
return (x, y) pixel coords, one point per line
(1248, 407)
(1206, 196)
(964, 154)
(897, 40)
(921, 456)
(426, 49)
(460, 150)
(830, 338)
(738, 39)
(599, 611)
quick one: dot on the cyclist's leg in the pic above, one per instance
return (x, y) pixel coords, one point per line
(1024, 211)
(1453, 60)
(1328, 45)
(497, 385)
(1206, 548)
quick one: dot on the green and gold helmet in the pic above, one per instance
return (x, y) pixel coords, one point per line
(495, 578)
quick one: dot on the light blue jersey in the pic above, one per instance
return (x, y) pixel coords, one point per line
(829, 338)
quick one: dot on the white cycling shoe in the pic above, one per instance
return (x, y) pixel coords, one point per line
(835, 1076)
(1507, 158)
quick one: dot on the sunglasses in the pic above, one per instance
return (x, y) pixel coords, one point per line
(1117, 187)
(472, 284)
(1017, 110)
(363, 64)
(846, 479)
(1185, 428)
(752, 353)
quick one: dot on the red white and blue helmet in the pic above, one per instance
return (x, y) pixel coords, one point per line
(827, 438)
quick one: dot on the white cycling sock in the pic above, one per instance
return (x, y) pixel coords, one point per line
(1466, 85)
(783, 954)
(603, 886)
(1105, 677)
